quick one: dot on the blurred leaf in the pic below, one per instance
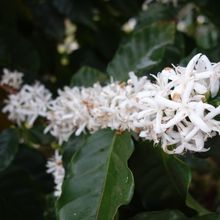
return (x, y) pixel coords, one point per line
(22, 186)
(47, 18)
(99, 180)
(192, 203)
(155, 12)
(4, 56)
(160, 215)
(87, 76)
(18, 197)
(174, 53)
(36, 135)
(126, 7)
(78, 11)
(207, 36)
(145, 49)
(33, 162)
(49, 211)
(214, 151)
(171, 215)
(21, 54)
(210, 8)
(207, 217)
(8, 147)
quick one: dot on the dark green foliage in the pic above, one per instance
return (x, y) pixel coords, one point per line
(8, 147)
(144, 50)
(99, 180)
(22, 185)
(104, 180)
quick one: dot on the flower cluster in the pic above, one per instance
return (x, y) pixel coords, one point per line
(27, 104)
(184, 120)
(172, 110)
(55, 167)
(11, 79)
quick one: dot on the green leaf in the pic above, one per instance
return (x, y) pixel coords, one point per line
(126, 7)
(87, 76)
(71, 146)
(207, 217)
(8, 147)
(209, 8)
(144, 50)
(36, 136)
(99, 181)
(192, 203)
(18, 198)
(162, 180)
(155, 12)
(23, 186)
(78, 11)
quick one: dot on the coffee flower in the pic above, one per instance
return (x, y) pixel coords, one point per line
(172, 110)
(55, 167)
(28, 104)
(11, 79)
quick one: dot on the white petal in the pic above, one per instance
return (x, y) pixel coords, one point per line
(179, 149)
(197, 121)
(199, 88)
(191, 65)
(214, 86)
(176, 119)
(192, 133)
(199, 140)
(203, 64)
(187, 91)
(213, 113)
(158, 122)
(167, 103)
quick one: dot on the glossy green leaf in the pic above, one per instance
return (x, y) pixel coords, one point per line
(162, 180)
(8, 147)
(71, 146)
(87, 76)
(99, 181)
(144, 50)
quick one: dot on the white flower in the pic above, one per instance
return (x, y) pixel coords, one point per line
(26, 105)
(190, 120)
(172, 110)
(11, 79)
(55, 167)
(129, 25)
(71, 113)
